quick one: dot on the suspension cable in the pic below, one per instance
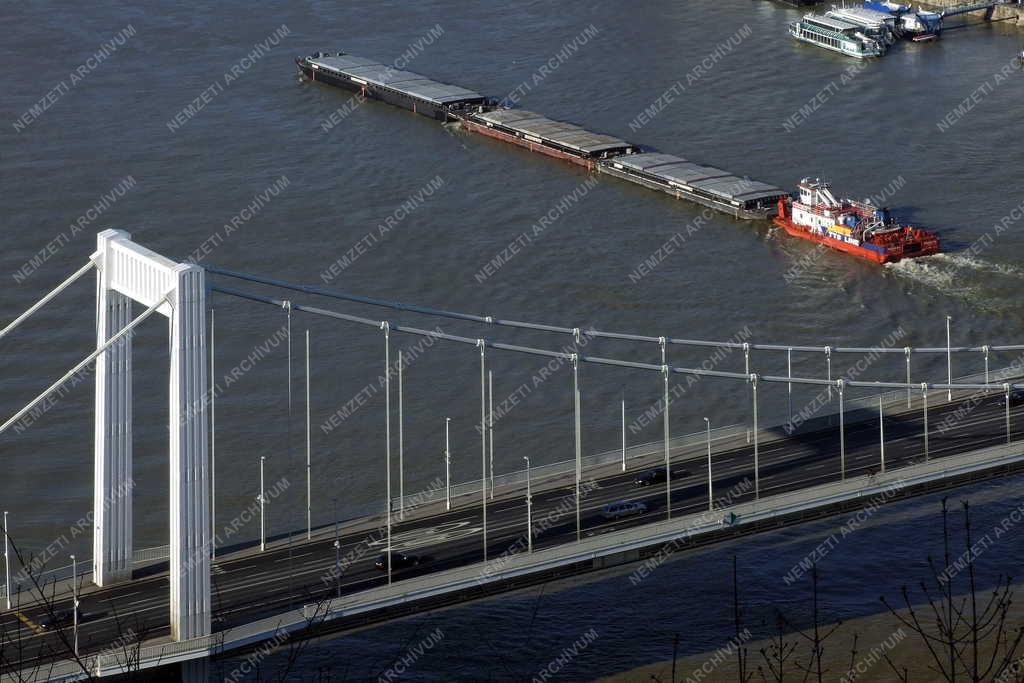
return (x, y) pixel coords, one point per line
(85, 361)
(597, 334)
(46, 299)
(567, 356)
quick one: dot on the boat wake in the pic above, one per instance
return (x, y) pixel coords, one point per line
(987, 284)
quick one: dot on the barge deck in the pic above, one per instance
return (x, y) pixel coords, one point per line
(385, 83)
(712, 187)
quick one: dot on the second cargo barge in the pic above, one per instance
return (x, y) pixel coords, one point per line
(712, 187)
(385, 83)
(540, 134)
(706, 185)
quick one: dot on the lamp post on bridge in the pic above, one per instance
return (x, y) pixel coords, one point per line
(213, 445)
(263, 524)
(337, 550)
(842, 431)
(309, 452)
(74, 600)
(711, 500)
(668, 461)
(623, 431)
(881, 432)
(401, 441)
(482, 344)
(949, 360)
(490, 425)
(757, 471)
(579, 439)
(529, 509)
(6, 552)
(386, 326)
(924, 402)
(447, 465)
(1006, 387)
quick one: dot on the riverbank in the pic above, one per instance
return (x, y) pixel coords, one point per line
(1010, 14)
(857, 651)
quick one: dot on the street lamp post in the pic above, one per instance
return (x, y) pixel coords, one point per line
(491, 428)
(1006, 388)
(447, 465)
(949, 359)
(263, 524)
(881, 431)
(401, 442)
(924, 403)
(665, 429)
(309, 452)
(74, 600)
(711, 500)
(482, 344)
(623, 431)
(7, 564)
(757, 470)
(842, 431)
(213, 444)
(337, 550)
(529, 509)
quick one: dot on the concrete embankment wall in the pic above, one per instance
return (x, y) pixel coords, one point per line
(1008, 14)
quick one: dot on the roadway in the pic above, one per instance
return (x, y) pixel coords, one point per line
(250, 585)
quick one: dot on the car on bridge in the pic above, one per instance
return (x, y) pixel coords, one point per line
(398, 561)
(657, 476)
(57, 619)
(1017, 397)
(623, 508)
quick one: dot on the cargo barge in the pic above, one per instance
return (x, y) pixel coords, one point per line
(852, 227)
(706, 185)
(546, 136)
(385, 83)
(816, 215)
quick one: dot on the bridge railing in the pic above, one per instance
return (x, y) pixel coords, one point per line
(47, 576)
(696, 441)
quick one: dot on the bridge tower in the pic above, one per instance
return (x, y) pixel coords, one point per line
(126, 273)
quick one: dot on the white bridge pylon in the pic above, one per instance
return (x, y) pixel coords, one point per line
(128, 272)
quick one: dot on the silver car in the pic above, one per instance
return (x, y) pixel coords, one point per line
(623, 508)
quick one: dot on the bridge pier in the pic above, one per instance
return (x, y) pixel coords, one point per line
(189, 468)
(195, 670)
(112, 492)
(128, 272)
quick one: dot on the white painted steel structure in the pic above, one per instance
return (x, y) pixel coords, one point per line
(128, 272)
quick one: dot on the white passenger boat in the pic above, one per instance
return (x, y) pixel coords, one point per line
(837, 35)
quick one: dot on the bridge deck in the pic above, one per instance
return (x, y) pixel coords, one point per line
(250, 586)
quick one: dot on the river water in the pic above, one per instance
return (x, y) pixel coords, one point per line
(192, 130)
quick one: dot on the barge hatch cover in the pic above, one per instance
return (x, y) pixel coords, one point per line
(672, 169)
(561, 133)
(406, 82)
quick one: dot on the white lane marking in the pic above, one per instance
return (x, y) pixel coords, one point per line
(292, 558)
(419, 538)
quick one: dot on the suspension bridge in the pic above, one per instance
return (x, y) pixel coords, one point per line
(131, 609)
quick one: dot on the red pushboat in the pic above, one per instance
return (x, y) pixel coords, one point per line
(856, 228)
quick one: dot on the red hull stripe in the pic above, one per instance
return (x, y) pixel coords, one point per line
(798, 231)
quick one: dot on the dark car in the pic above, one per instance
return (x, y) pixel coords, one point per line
(398, 561)
(1016, 397)
(657, 476)
(58, 619)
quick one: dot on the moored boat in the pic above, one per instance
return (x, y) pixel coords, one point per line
(857, 228)
(875, 24)
(837, 35)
